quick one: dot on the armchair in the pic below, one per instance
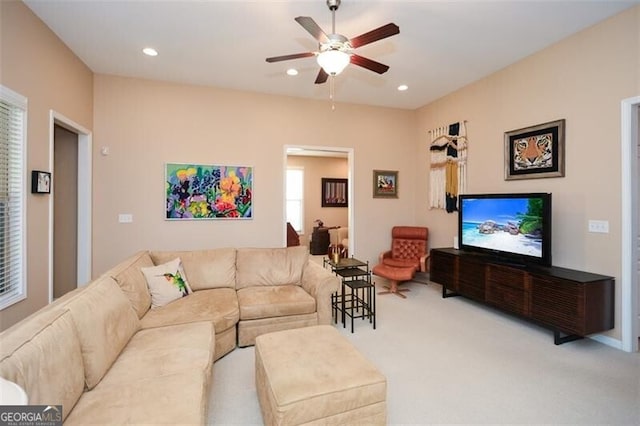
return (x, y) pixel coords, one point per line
(408, 254)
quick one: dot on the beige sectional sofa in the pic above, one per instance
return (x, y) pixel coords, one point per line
(104, 355)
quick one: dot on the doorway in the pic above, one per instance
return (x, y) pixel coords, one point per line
(326, 152)
(630, 224)
(65, 211)
(69, 226)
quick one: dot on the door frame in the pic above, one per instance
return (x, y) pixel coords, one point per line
(84, 197)
(630, 109)
(350, 174)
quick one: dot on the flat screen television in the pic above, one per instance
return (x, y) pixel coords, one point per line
(513, 228)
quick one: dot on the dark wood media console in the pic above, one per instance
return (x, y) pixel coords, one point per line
(572, 303)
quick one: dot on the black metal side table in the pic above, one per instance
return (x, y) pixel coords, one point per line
(360, 301)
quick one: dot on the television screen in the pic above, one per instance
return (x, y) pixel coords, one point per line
(514, 226)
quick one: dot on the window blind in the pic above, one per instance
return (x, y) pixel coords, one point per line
(12, 188)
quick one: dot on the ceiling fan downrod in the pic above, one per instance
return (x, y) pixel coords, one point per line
(333, 6)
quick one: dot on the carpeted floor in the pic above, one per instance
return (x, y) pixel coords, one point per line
(454, 361)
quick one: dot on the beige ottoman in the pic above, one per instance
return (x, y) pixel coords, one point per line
(313, 375)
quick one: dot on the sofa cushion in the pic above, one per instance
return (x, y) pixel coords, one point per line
(129, 277)
(167, 282)
(105, 322)
(218, 305)
(205, 268)
(274, 301)
(270, 266)
(179, 398)
(160, 351)
(43, 356)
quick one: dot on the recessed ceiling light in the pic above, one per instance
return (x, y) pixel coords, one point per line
(150, 51)
(403, 87)
(292, 71)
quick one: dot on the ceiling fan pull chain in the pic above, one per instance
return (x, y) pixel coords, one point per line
(331, 86)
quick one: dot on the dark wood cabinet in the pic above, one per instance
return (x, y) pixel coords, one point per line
(572, 303)
(445, 272)
(319, 243)
(473, 281)
(507, 288)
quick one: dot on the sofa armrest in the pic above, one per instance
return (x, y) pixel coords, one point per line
(320, 283)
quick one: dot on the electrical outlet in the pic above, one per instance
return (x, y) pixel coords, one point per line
(125, 218)
(599, 226)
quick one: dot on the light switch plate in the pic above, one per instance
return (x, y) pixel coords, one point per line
(125, 218)
(599, 226)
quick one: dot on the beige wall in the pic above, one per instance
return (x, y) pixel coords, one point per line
(148, 123)
(316, 168)
(582, 79)
(36, 64)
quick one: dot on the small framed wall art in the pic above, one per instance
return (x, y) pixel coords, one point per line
(535, 152)
(334, 192)
(40, 182)
(385, 184)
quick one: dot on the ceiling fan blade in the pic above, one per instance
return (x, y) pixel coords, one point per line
(375, 35)
(314, 29)
(288, 57)
(322, 77)
(369, 64)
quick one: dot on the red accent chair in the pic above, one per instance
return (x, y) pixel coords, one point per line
(409, 253)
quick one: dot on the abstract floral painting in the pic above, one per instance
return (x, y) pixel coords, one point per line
(208, 192)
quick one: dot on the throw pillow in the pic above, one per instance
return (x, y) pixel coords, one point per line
(167, 282)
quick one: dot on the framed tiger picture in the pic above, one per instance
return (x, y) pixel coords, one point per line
(535, 152)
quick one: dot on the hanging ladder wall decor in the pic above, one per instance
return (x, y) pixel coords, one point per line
(448, 173)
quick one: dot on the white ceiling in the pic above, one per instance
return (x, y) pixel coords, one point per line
(442, 45)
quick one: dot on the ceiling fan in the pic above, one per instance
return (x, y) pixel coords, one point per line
(335, 51)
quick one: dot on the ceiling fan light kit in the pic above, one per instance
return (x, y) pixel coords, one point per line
(335, 51)
(333, 62)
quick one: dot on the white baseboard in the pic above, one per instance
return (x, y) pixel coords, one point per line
(606, 340)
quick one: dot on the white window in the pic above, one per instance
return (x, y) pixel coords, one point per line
(13, 119)
(295, 198)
